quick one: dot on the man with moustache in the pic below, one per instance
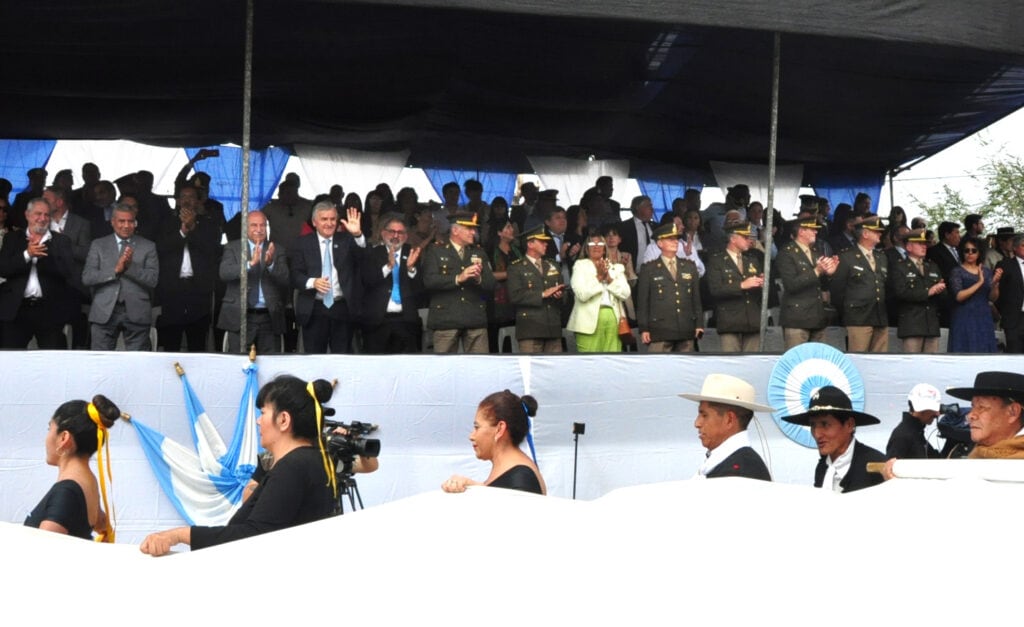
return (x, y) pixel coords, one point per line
(392, 281)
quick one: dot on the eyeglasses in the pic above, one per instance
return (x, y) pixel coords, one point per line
(595, 244)
(394, 231)
(970, 251)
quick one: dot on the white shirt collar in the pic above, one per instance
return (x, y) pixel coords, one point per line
(716, 456)
(837, 469)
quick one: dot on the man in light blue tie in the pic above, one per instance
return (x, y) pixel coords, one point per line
(323, 270)
(392, 283)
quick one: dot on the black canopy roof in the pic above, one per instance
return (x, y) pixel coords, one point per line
(866, 85)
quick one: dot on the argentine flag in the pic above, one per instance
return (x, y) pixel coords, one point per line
(205, 484)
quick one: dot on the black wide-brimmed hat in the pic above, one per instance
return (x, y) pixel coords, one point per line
(831, 400)
(993, 383)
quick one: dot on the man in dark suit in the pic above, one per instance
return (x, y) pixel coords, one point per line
(1011, 297)
(636, 232)
(833, 422)
(858, 289)
(189, 253)
(536, 288)
(944, 253)
(122, 269)
(78, 232)
(267, 284)
(726, 408)
(735, 277)
(392, 282)
(42, 290)
(324, 267)
(801, 270)
(36, 183)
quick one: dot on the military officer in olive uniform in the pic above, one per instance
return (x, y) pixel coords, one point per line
(858, 289)
(735, 279)
(535, 287)
(916, 284)
(458, 277)
(802, 271)
(668, 309)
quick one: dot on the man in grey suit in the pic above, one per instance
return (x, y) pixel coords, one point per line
(267, 286)
(122, 270)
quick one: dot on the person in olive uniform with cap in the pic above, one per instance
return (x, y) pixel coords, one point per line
(535, 287)
(833, 422)
(458, 277)
(916, 284)
(668, 308)
(858, 289)
(802, 271)
(735, 278)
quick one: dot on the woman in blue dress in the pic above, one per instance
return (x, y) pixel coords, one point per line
(973, 286)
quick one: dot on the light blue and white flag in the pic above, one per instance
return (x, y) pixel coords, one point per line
(205, 485)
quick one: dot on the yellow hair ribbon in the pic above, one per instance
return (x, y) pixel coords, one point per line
(103, 446)
(328, 464)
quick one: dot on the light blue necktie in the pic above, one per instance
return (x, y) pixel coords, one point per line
(328, 271)
(396, 293)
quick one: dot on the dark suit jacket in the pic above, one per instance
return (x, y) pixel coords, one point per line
(306, 263)
(57, 273)
(79, 232)
(377, 286)
(275, 283)
(857, 476)
(944, 259)
(187, 300)
(629, 244)
(1011, 294)
(745, 462)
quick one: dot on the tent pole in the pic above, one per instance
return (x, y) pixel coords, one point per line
(770, 209)
(243, 239)
(892, 196)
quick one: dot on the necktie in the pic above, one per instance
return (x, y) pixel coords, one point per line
(736, 259)
(121, 247)
(329, 274)
(396, 292)
(871, 261)
(647, 233)
(671, 267)
(956, 255)
(253, 297)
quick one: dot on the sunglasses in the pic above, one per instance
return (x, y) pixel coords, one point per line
(970, 251)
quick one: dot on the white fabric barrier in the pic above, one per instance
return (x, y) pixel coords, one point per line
(722, 552)
(356, 170)
(573, 177)
(788, 179)
(638, 430)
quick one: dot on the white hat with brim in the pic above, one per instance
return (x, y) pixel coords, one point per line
(727, 390)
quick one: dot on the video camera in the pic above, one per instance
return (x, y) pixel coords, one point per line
(345, 447)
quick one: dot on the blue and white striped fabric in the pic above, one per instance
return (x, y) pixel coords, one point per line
(205, 485)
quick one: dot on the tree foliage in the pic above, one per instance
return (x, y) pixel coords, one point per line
(950, 207)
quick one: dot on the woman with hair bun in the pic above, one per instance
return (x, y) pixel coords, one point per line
(72, 506)
(501, 423)
(299, 487)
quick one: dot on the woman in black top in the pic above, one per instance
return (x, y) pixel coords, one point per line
(298, 488)
(72, 506)
(500, 424)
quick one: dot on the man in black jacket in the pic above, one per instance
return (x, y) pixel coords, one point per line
(907, 440)
(833, 422)
(392, 281)
(726, 409)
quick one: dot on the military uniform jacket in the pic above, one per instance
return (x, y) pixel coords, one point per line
(536, 317)
(454, 306)
(918, 312)
(670, 310)
(858, 291)
(736, 310)
(801, 306)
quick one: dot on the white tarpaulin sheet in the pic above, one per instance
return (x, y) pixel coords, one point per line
(638, 430)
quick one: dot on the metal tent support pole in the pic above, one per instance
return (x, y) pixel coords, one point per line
(772, 146)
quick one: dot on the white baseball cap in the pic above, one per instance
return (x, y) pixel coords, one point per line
(924, 397)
